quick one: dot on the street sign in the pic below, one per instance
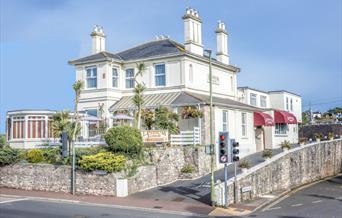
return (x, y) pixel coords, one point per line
(155, 136)
(246, 189)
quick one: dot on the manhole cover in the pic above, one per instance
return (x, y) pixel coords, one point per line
(157, 207)
(178, 199)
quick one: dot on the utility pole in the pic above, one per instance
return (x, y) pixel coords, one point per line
(212, 146)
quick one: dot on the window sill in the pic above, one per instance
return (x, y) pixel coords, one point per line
(280, 135)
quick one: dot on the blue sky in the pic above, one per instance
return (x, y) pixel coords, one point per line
(293, 45)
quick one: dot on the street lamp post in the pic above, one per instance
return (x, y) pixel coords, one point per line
(212, 160)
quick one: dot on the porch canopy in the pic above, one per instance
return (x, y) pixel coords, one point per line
(263, 119)
(284, 117)
(178, 99)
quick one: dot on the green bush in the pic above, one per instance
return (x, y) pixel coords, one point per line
(244, 164)
(124, 139)
(285, 145)
(2, 140)
(267, 153)
(9, 155)
(187, 169)
(106, 161)
(34, 156)
(52, 155)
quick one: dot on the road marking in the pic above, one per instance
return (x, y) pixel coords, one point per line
(315, 202)
(273, 208)
(296, 205)
(13, 200)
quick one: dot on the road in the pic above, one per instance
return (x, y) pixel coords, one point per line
(322, 200)
(194, 191)
(21, 207)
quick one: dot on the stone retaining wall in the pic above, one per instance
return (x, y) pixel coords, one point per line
(287, 171)
(165, 167)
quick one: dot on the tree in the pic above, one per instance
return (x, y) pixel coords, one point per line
(77, 88)
(138, 98)
(147, 116)
(166, 119)
(102, 124)
(61, 122)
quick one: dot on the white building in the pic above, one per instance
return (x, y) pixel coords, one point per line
(284, 112)
(176, 75)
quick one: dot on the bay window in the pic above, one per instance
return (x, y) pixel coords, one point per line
(91, 77)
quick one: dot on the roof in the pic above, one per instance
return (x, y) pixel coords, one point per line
(147, 50)
(258, 90)
(153, 49)
(178, 99)
(282, 91)
(150, 101)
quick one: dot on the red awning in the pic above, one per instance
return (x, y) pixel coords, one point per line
(262, 119)
(284, 117)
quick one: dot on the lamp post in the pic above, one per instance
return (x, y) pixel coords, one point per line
(212, 159)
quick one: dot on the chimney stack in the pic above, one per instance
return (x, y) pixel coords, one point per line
(193, 32)
(222, 43)
(98, 39)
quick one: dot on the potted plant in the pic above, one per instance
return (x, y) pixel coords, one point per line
(285, 145)
(187, 171)
(191, 112)
(318, 137)
(302, 141)
(267, 154)
(244, 165)
(331, 136)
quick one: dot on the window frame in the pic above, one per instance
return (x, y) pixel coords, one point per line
(263, 98)
(130, 78)
(250, 99)
(280, 129)
(91, 77)
(225, 121)
(159, 75)
(117, 77)
(291, 104)
(287, 103)
(243, 124)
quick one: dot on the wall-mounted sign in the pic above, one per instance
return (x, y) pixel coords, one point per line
(246, 189)
(155, 136)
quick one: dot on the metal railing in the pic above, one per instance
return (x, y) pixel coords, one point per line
(187, 137)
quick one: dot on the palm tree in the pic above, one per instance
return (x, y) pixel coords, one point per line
(61, 122)
(138, 98)
(77, 88)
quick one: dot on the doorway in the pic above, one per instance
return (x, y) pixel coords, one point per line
(259, 138)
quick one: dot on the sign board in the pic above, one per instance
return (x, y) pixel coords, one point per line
(246, 189)
(155, 136)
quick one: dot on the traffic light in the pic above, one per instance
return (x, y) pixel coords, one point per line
(223, 147)
(235, 150)
(64, 142)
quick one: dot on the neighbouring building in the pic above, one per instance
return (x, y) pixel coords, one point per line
(176, 75)
(279, 121)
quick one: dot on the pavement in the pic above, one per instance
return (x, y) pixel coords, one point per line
(322, 199)
(197, 190)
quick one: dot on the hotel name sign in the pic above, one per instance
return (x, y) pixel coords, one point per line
(155, 136)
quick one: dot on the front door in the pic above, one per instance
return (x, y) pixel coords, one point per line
(259, 139)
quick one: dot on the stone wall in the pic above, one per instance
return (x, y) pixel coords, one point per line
(165, 166)
(288, 170)
(47, 177)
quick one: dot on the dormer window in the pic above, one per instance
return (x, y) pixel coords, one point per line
(129, 78)
(160, 74)
(91, 77)
(253, 99)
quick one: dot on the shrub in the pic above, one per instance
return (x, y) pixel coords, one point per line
(267, 153)
(244, 164)
(52, 155)
(2, 140)
(106, 161)
(124, 139)
(318, 135)
(9, 155)
(34, 156)
(331, 135)
(187, 169)
(88, 151)
(285, 145)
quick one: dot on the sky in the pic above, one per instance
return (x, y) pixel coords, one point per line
(291, 45)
